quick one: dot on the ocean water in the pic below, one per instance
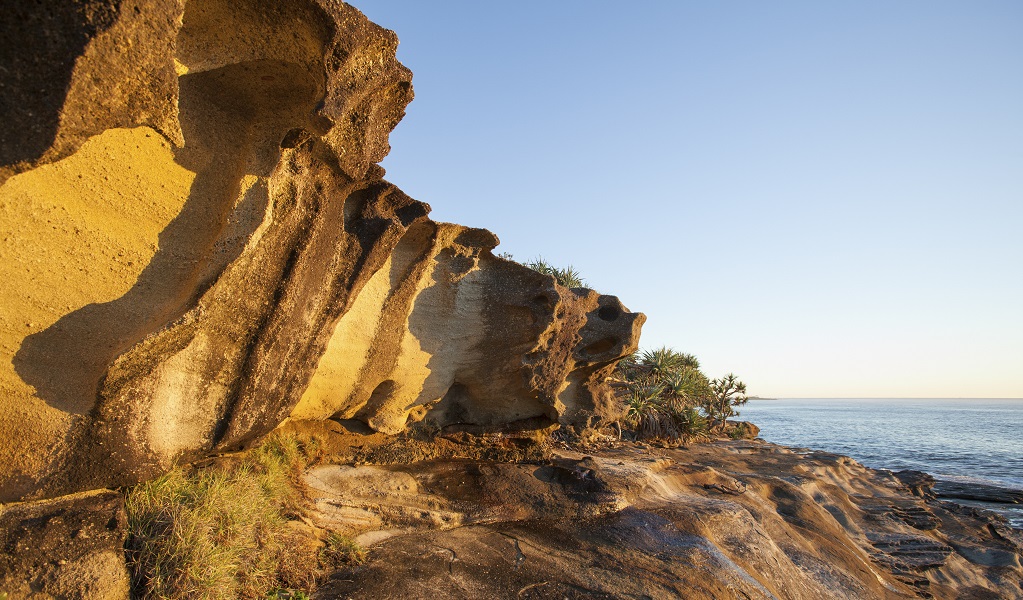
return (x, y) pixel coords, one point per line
(972, 443)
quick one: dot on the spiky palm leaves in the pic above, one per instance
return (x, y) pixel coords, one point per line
(567, 276)
(654, 415)
(644, 410)
(663, 388)
(691, 422)
(687, 384)
(726, 394)
(659, 363)
(665, 360)
(626, 366)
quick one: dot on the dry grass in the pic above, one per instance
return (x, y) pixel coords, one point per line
(222, 533)
(339, 551)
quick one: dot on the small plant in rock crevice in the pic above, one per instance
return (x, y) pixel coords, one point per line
(341, 551)
(739, 432)
(287, 595)
(567, 276)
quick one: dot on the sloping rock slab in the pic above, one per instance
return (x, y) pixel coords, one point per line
(720, 520)
(630, 554)
(977, 491)
(71, 547)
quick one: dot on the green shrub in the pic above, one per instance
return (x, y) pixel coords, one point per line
(642, 398)
(739, 432)
(691, 423)
(665, 392)
(658, 417)
(625, 368)
(686, 384)
(665, 360)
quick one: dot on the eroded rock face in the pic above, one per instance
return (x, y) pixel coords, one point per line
(448, 332)
(194, 228)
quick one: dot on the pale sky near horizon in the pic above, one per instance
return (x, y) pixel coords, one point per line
(824, 198)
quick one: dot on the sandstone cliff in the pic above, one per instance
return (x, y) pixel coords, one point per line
(198, 244)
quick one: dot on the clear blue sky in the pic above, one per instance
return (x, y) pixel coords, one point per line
(825, 198)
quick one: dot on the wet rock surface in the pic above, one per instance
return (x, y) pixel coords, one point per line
(977, 491)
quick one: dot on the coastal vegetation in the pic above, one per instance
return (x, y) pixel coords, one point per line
(727, 393)
(233, 529)
(667, 396)
(566, 276)
(339, 551)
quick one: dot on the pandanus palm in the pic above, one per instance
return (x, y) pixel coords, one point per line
(727, 393)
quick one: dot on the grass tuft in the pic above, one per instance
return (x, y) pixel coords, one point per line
(222, 533)
(340, 551)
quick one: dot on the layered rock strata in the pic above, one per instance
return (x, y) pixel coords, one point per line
(198, 244)
(448, 332)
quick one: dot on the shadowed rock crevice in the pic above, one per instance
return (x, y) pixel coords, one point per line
(70, 73)
(39, 61)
